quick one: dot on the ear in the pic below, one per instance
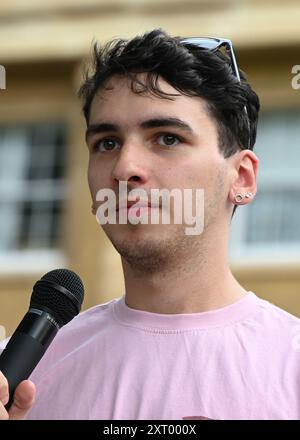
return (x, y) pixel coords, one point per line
(244, 177)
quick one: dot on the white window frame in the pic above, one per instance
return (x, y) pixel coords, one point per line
(30, 261)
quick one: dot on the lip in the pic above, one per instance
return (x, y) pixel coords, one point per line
(136, 210)
(137, 205)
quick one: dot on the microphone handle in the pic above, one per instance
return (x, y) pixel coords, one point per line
(25, 348)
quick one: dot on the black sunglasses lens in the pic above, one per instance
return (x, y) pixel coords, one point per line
(205, 43)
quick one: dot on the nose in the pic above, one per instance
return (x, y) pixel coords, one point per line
(131, 164)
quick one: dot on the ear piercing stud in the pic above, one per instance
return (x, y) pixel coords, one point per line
(240, 197)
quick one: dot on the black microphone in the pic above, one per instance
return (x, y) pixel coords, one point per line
(56, 299)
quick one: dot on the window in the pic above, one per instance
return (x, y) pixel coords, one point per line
(268, 230)
(32, 191)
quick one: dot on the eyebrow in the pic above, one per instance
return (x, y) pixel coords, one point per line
(150, 123)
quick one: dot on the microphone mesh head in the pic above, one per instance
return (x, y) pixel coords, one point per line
(59, 292)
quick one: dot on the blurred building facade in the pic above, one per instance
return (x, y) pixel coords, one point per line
(45, 219)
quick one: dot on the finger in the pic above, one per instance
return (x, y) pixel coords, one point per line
(23, 400)
(4, 392)
(3, 413)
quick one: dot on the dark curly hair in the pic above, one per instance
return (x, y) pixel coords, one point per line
(191, 70)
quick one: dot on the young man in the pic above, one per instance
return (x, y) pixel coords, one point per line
(186, 340)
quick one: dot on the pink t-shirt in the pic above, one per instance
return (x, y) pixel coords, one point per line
(113, 362)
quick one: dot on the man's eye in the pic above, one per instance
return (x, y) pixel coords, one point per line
(168, 140)
(107, 144)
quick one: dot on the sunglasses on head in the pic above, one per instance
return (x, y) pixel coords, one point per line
(214, 44)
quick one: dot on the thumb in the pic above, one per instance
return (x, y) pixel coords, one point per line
(23, 400)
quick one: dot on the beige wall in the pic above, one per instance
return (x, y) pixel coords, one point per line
(66, 28)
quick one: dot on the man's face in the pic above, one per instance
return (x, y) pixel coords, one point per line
(156, 155)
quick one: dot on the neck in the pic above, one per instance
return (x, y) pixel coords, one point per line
(198, 285)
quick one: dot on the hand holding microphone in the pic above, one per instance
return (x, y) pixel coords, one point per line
(56, 299)
(23, 399)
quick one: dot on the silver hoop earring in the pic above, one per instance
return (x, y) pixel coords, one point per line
(238, 198)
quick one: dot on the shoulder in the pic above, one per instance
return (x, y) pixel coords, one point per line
(90, 316)
(86, 324)
(275, 314)
(277, 327)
